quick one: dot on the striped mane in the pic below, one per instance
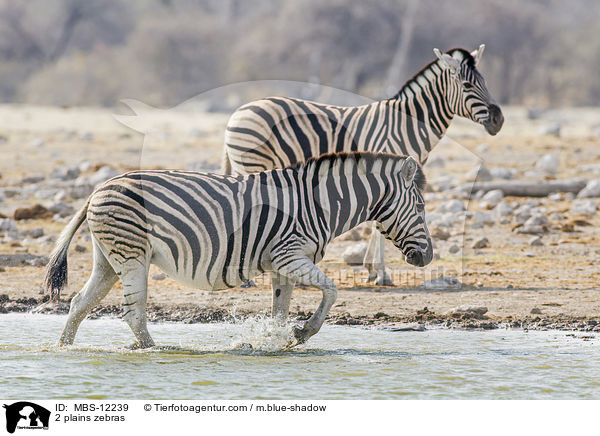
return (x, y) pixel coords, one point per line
(463, 56)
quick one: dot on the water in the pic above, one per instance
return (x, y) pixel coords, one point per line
(206, 362)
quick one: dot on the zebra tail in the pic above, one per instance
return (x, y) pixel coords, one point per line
(226, 164)
(56, 272)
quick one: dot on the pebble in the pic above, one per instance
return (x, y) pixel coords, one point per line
(7, 224)
(454, 248)
(536, 311)
(80, 248)
(479, 310)
(536, 241)
(484, 218)
(355, 254)
(452, 206)
(501, 173)
(548, 163)
(36, 211)
(64, 173)
(481, 243)
(479, 174)
(442, 283)
(159, 276)
(61, 209)
(584, 207)
(491, 199)
(551, 128)
(531, 230)
(503, 209)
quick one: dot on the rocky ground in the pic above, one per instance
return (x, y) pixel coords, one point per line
(501, 260)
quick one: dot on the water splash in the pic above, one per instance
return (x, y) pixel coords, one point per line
(262, 333)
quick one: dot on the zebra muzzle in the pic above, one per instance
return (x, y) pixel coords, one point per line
(495, 120)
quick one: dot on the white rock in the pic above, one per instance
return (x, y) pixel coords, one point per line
(7, 224)
(501, 173)
(484, 218)
(503, 209)
(552, 128)
(355, 254)
(536, 241)
(483, 148)
(592, 189)
(584, 207)
(480, 174)
(481, 243)
(479, 310)
(491, 199)
(102, 175)
(452, 206)
(548, 163)
(442, 283)
(536, 220)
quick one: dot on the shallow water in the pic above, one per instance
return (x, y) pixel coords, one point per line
(205, 361)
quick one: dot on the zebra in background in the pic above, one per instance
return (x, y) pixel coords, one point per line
(214, 232)
(276, 132)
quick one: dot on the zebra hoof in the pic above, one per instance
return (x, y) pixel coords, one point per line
(248, 284)
(384, 281)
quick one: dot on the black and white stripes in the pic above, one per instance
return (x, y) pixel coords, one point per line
(276, 132)
(213, 231)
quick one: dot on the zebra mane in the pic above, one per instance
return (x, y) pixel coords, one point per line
(369, 157)
(463, 56)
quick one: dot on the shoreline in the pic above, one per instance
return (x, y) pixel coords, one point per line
(422, 320)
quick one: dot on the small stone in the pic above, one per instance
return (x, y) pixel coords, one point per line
(439, 234)
(159, 276)
(548, 163)
(491, 199)
(80, 248)
(37, 211)
(480, 174)
(536, 311)
(34, 178)
(503, 209)
(453, 206)
(442, 283)
(481, 243)
(479, 310)
(584, 207)
(454, 248)
(531, 230)
(501, 173)
(551, 128)
(484, 218)
(536, 241)
(483, 148)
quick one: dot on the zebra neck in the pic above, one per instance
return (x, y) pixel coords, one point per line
(425, 113)
(348, 193)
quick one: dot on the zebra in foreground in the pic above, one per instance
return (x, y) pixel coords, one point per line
(276, 132)
(214, 232)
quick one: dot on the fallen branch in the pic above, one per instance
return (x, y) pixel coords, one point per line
(517, 188)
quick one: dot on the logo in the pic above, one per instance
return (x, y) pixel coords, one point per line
(26, 415)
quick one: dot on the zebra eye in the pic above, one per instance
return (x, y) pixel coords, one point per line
(420, 207)
(468, 85)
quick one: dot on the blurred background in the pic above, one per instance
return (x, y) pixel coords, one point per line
(539, 53)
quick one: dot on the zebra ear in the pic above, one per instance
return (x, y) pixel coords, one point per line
(408, 170)
(477, 53)
(447, 61)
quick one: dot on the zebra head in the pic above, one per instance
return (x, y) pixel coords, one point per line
(466, 91)
(403, 220)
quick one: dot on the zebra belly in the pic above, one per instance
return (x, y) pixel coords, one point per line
(223, 273)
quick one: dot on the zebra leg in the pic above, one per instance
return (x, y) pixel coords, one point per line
(374, 260)
(282, 294)
(370, 256)
(306, 272)
(98, 285)
(383, 278)
(135, 287)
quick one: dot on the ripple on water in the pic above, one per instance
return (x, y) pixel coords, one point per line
(339, 362)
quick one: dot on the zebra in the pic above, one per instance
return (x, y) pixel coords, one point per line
(215, 231)
(277, 131)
